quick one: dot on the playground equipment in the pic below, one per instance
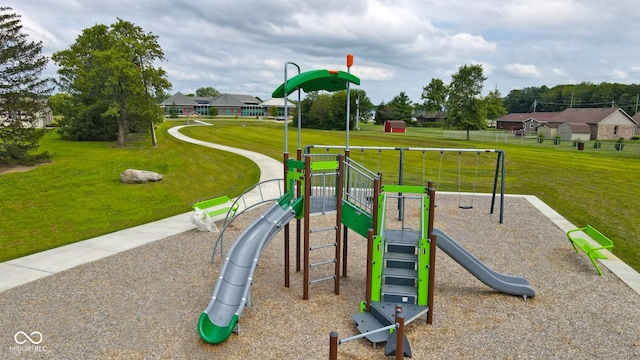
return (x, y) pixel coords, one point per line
(400, 260)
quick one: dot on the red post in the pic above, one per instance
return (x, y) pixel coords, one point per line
(333, 345)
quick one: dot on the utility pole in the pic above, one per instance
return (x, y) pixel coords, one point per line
(637, 100)
(571, 104)
(535, 104)
(358, 112)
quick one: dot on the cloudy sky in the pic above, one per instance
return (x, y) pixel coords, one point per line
(241, 46)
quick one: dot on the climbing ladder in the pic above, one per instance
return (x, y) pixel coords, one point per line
(331, 184)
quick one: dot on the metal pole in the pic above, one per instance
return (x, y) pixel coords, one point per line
(432, 252)
(286, 110)
(286, 228)
(400, 177)
(307, 194)
(400, 336)
(349, 63)
(333, 345)
(339, 187)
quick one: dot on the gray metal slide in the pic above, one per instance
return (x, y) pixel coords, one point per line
(232, 289)
(513, 285)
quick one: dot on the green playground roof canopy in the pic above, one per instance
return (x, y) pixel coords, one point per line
(314, 80)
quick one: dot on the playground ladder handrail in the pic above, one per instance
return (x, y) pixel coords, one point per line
(242, 197)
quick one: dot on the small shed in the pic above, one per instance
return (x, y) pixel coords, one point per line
(395, 126)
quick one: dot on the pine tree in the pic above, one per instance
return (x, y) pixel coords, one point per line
(22, 92)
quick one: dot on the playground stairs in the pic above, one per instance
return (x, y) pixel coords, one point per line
(399, 286)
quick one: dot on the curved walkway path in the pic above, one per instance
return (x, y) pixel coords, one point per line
(32, 267)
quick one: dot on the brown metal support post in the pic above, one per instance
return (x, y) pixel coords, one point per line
(400, 336)
(307, 194)
(339, 224)
(432, 252)
(369, 268)
(333, 345)
(376, 195)
(298, 221)
(286, 228)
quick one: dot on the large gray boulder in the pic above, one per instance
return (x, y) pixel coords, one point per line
(132, 176)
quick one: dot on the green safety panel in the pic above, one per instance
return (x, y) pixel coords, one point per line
(323, 165)
(315, 80)
(356, 219)
(377, 267)
(424, 254)
(295, 164)
(412, 189)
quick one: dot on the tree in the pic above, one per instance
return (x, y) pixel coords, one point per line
(60, 102)
(110, 74)
(383, 113)
(435, 96)
(465, 109)
(207, 92)
(213, 111)
(493, 104)
(173, 111)
(401, 108)
(22, 92)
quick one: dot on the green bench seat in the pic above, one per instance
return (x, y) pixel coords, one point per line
(592, 250)
(217, 206)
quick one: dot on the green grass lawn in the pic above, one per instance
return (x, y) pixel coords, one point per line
(80, 196)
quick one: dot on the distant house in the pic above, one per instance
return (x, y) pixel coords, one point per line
(595, 124)
(522, 123)
(225, 105)
(41, 119)
(573, 124)
(431, 117)
(636, 118)
(395, 126)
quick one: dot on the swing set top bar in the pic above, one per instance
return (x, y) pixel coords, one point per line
(403, 148)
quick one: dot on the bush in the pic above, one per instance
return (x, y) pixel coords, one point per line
(619, 145)
(540, 138)
(635, 137)
(597, 145)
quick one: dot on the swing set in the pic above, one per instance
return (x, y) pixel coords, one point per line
(498, 178)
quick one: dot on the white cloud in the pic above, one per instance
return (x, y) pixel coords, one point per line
(522, 70)
(558, 72)
(399, 45)
(619, 75)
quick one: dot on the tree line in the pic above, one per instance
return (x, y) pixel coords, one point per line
(586, 94)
